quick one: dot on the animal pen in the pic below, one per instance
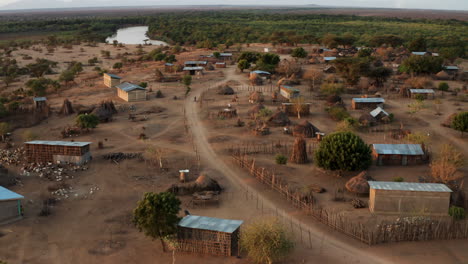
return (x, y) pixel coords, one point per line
(208, 235)
(53, 151)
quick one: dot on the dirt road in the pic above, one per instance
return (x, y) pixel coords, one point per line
(331, 249)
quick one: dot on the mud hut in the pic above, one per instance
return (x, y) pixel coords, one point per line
(304, 129)
(105, 111)
(227, 113)
(225, 90)
(334, 100)
(279, 119)
(358, 184)
(67, 108)
(256, 97)
(449, 120)
(201, 184)
(299, 151)
(442, 75)
(253, 112)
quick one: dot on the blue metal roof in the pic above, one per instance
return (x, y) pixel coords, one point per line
(421, 91)
(127, 87)
(210, 223)
(196, 62)
(377, 111)
(419, 53)
(6, 195)
(369, 100)
(398, 149)
(451, 68)
(225, 54)
(113, 76)
(260, 72)
(290, 88)
(329, 58)
(168, 64)
(198, 68)
(409, 186)
(58, 143)
(39, 99)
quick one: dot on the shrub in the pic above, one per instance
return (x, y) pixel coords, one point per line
(419, 97)
(337, 113)
(398, 179)
(143, 84)
(159, 94)
(457, 213)
(443, 86)
(460, 122)
(281, 159)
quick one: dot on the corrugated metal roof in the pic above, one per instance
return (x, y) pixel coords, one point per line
(329, 58)
(58, 143)
(113, 76)
(369, 100)
(377, 111)
(421, 91)
(198, 68)
(398, 149)
(419, 53)
(225, 54)
(210, 223)
(409, 186)
(127, 87)
(196, 62)
(168, 64)
(260, 72)
(451, 68)
(39, 99)
(6, 195)
(221, 63)
(290, 88)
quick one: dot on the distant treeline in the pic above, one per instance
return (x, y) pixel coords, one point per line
(211, 28)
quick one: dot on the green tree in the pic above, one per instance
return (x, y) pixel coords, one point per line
(299, 53)
(380, 75)
(421, 65)
(332, 88)
(351, 69)
(76, 67)
(216, 54)
(365, 52)
(266, 241)
(38, 87)
(67, 76)
(443, 86)
(243, 65)
(418, 44)
(41, 67)
(460, 122)
(267, 62)
(187, 81)
(249, 56)
(156, 215)
(87, 121)
(117, 65)
(343, 151)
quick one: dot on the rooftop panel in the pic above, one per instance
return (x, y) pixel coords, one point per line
(329, 58)
(127, 87)
(377, 111)
(260, 72)
(369, 100)
(6, 195)
(398, 149)
(39, 99)
(409, 186)
(113, 76)
(198, 68)
(210, 223)
(421, 91)
(58, 143)
(196, 62)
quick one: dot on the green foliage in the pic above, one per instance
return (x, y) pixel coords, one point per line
(398, 179)
(457, 213)
(117, 65)
(337, 113)
(332, 88)
(266, 241)
(87, 121)
(93, 61)
(267, 62)
(243, 65)
(4, 128)
(143, 84)
(281, 159)
(216, 54)
(365, 52)
(76, 67)
(386, 39)
(421, 65)
(264, 113)
(343, 151)
(443, 86)
(419, 97)
(249, 56)
(39, 86)
(380, 75)
(460, 122)
(299, 53)
(156, 214)
(418, 44)
(67, 76)
(352, 68)
(347, 124)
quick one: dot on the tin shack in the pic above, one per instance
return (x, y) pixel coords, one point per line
(399, 154)
(53, 151)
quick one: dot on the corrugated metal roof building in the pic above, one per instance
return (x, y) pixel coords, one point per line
(10, 205)
(425, 93)
(42, 151)
(399, 154)
(111, 80)
(372, 103)
(131, 92)
(208, 235)
(409, 198)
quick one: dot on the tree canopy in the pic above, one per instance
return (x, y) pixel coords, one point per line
(421, 65)
(460, 122)
(87, 121)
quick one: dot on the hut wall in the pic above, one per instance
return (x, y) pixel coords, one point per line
(50, 153)
(356, 105)
(425, 95)
(205, 242)
(9, 210)
(110, 82)
(136, 95)
(399, 159)
(409, 202)
(122, 94)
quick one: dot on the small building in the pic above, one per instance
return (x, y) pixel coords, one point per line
(42, 151)
(111, 80)
(378, 113)
(131, 92)
(10, 205)
(225, 56)
(425, 93)
(208, 235)
(40, 102)
(452, 70)
(329, 69)
(220, 65)
(371, 103)
(328, 59)
(409, 198)
(262, 74)
(289, 92)
(398, 154)
(193, 70)
(195, 63)
(421, 53)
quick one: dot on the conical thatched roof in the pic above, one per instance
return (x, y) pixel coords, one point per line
(256, 97)
(449, 120)
(305, 129)
(225, 90)
(67, 108)
(279, 119)
(105, 111)
(442, 75)
(205, 183)
(358, 184)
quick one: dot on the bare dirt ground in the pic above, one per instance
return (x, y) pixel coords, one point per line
(96, 227)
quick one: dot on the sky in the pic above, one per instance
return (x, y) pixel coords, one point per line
(421, 4)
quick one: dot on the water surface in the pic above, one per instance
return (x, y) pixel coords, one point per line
(133, 35)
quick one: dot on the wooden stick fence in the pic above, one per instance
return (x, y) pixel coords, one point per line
(277, 147)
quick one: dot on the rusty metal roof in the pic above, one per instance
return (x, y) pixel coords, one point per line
(409, 186)
(210, 223)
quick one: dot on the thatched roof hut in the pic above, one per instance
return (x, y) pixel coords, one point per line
(256, 97)
(442, 75)
(225, 90)
(205, 183)
(255, 110)
(105, 111)
(334, 99)
(202, 183)
(279, 119)
(367, 119)
(448, 121)
(358, 184)
(304, 129)
(67, 108)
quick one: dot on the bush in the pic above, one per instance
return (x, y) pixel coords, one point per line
(281, 159)
(419, 97)
(457, 213)
(398, 179)
(443, 86)
(338, 113)
(143, 84)
(159, 94)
